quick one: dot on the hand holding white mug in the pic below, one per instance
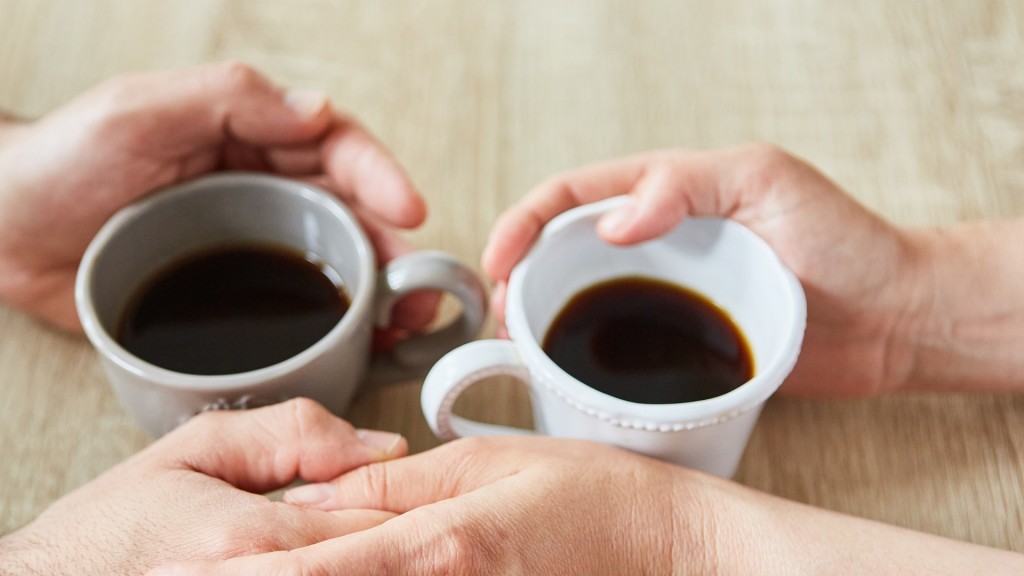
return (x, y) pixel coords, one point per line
(889, 308)
(719, 260)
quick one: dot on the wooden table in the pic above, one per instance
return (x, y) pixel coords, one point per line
(917, 107)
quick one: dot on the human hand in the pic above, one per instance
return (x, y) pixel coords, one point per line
(535, 505)
(862, 275)
(496, 506)
(197, 494)
(67, 173)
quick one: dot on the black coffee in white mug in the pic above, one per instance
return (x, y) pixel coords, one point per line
(648, 341)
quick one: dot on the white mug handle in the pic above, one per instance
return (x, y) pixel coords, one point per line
(457, 371)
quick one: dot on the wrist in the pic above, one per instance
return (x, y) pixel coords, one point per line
(726, 529)
(967, 329)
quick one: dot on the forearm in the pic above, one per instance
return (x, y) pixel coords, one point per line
(967, 330)
(755, 533)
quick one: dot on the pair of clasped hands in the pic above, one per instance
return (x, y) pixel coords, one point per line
(888, 309)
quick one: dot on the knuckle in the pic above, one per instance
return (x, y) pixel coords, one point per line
(470, 446)
(237, 75)
(226, 540)
(553, 182)
(307, 410)
(116, 99)
(204, 422)
(375, 482)
(768, 152)
(771, 157)
(768, 164)
(309, 416)
(458, 550)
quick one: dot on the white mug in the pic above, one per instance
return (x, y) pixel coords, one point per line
(717, 258)
(234, 208)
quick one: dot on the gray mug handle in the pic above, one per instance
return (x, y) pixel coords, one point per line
(426, 270)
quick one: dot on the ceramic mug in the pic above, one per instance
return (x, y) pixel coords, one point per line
(717, 258)
(248, 208)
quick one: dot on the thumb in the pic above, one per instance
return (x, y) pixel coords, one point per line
(267, 448)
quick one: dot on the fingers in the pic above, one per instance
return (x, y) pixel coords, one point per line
(297, 161)
(173, 114)
(267, 448)
(404, 484)
(517, 228)
(319, 543)
(306, 527)
(664, 187)
(351, 555)
(498, 298)
(657, 203)
(366, 171)
(404, 545)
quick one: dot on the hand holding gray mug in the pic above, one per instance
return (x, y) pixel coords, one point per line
(205, 296)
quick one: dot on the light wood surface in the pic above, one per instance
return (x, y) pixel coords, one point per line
(916, 107)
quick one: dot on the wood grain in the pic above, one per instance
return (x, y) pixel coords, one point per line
(916, 107)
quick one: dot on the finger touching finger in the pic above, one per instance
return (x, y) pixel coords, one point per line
(351, 556)
(298, 161)
(267, 448)
(405, 484)
(307, 527)
(401, 546)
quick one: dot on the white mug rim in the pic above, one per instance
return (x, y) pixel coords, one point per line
(359, 309)
(666, 417)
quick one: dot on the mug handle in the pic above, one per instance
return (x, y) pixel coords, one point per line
(457, 371)
(426, 270)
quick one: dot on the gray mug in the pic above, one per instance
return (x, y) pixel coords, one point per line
(233, 208)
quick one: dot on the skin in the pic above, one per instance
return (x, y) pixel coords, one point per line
(554, 506)
(135, 134)
(197, 493)
(888, 308)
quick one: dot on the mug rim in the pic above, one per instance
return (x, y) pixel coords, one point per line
(625, 413)
(112, 350)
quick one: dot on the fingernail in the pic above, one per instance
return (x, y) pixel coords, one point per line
(384, 442)
(616, 219)
(305, 103)
(309, 494)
